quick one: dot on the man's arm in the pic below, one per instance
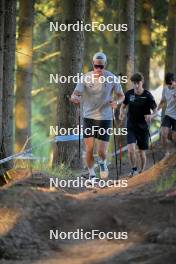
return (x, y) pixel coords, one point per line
(122, 111)
(118, 94)
(75, 97)
(77, 93)
(162, 101)
(120, 98)
(148, 118)
(152, 106)
(161, 104)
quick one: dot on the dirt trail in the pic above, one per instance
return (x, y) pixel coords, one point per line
(29, 209)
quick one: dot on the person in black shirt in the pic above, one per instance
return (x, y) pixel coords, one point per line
(140, 102)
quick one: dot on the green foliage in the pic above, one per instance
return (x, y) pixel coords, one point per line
(160, 11)
(43, 94)
(62, 171)
(167, 183)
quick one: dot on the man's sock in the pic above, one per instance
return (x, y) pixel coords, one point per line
(102, 162)
(134, 168)
(92, 171)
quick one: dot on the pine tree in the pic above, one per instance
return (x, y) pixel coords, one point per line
(72, 50)
(170, 62)
(8, 77)
(1, 61)
(126, 40)
(24, 74)
(143, 45)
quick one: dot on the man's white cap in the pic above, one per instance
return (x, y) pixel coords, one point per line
(100, 56)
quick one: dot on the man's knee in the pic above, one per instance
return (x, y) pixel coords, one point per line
(174, 136)
(164, 133)
(89, 146)
(131, 148)
(89, 151)
(142, 153)
(101, 153)
(102, 147)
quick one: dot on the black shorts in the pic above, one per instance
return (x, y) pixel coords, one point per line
(169, 122)
(96, 128)
(138, 136)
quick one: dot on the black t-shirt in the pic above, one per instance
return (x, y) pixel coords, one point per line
(138, 106)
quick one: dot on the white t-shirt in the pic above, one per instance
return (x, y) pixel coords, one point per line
(96, 94)
(168, 96)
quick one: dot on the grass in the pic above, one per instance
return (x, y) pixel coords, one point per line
(167, 183)
(62, 171)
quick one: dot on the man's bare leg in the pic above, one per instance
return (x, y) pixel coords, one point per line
(132, 158)
(89, 146)
(132, 154)
(164, 139)
(102, 149)
(143, 159)
(174, 136)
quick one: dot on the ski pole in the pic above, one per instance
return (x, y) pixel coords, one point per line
(79, 117)
(115, 146)
(79, 124)
(120, 145)
(153, 155)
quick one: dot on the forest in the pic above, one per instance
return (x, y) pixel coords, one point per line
(44, 47)
(32, 50)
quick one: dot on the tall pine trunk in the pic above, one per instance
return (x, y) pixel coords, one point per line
(143, 47)
(87, 35)
(125, 59)
(71, 63)
(1, 61)
(8, 77)
(2, 17)
(126, 40)
(170, 62)
(24, 74)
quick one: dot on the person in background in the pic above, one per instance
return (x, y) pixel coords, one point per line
(169, 101)
(139, 102)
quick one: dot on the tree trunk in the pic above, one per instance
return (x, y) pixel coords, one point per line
(1, 61)
(126, 40)
(144, 19)
(130, 41)
(121, 63)
(24, 75)
(2, 17)
(8, 77)
(170, 64)
(71, 63)
(87, 34)
(125, 49)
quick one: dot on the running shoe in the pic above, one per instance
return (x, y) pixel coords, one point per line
(133, 173)
(104, 172)
(92, 181)
(167, 154)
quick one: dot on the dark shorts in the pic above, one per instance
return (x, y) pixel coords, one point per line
(138, 136)
(169, 122)
(96, 128)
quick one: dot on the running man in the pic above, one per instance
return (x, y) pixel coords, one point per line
(169, 119)
(140, 102)
(96, 89)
